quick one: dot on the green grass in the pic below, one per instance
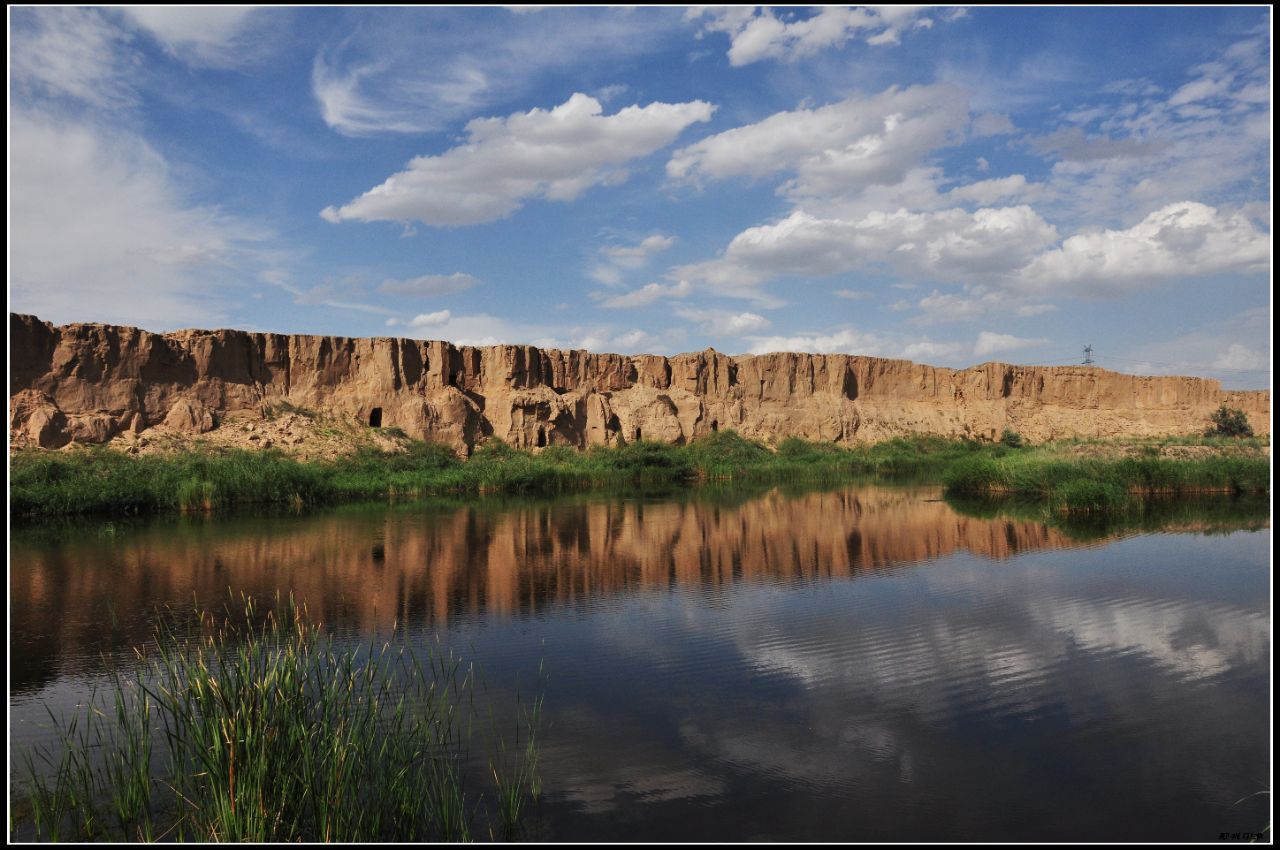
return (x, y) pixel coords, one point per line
(1103, 484)
(265, 729)
(100, 481)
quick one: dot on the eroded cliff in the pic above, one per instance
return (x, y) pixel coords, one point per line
(91, 382)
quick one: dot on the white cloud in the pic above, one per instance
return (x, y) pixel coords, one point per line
(202, 35)
(837, 149)
(1236, 350)
(757, 34)
(346, 107)
(430, 285)
(953, 242)
(1209, 141)
(483, 329)
(723, 322)
(99, 232)
(846, 341)
(1179, 240)
(70, 52)
(991, 124)
(619, 257)
(993, 343)
(647, 294)
(404, 73)
(852, 294)
(427, 320)
(928, 351)
(634, 256)
(1014, 187)
(974, 303)
(554, 154)
(1240, 357)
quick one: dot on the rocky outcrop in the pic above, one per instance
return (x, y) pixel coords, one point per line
(89, 382)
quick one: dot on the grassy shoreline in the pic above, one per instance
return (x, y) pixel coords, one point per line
(262, 727)
(1101, 485)
(1070, 476)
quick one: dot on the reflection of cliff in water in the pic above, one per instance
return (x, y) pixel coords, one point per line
(357, 570)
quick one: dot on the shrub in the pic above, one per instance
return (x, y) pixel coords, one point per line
(1011, 438)
(1229, 422)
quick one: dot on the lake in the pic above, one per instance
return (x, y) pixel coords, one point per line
(858, 663)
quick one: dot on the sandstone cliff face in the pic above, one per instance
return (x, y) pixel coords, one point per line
(90, 382)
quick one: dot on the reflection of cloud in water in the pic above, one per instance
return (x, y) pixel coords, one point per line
(865, 676)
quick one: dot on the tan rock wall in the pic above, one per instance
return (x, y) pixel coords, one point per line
(89, 382)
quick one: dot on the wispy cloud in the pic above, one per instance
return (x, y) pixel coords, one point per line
(645, 295)
(217, 36)
(429, 285)
(398, 73)
(99, 232)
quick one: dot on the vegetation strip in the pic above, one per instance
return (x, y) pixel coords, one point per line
(1070, 475)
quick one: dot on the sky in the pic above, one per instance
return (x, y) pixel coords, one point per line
(947, 185)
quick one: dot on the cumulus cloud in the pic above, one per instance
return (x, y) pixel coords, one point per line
(993, 343)
(646, 295)
(1180, 240)
(951, 242)
(757, 33)
(430, 285)
(554, 154)
(836, 149)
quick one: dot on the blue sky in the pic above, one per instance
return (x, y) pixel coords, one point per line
(942, 184)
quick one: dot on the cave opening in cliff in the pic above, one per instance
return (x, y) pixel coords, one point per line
(542, 437)
(637, 433)
(375, 418)
(715, 425)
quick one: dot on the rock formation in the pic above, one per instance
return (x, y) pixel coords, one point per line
(90, 382)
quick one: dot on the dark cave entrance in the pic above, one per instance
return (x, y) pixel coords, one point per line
(542, 437)
(375, 418)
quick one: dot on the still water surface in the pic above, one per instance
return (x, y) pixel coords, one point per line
(852, 664)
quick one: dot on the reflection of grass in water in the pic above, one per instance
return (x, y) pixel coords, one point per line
(270, 732)
(1204, 514)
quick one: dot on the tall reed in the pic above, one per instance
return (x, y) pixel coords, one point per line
(264, 728)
